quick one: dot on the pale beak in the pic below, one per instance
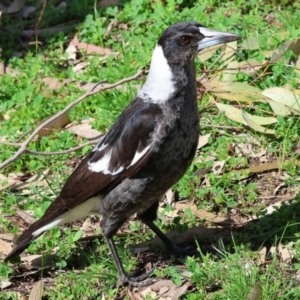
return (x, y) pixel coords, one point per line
(213, 37)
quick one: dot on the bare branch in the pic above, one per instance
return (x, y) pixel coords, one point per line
(95, 89)
(63, 151)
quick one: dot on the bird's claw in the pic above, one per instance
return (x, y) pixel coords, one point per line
(136, 281)
(180, 252)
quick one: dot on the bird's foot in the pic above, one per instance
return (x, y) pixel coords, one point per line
(180, 252)
(137, 281)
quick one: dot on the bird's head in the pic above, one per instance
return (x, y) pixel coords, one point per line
(182, 41)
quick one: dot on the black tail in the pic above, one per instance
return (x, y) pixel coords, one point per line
(24, 240)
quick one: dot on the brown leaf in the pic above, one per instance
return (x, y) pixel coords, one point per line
(202, 214)
(278, 55)
(71, 51)
(251, 43)
(286, 253)
(84, 130)
(4, 284)
(207, 53)
(170, 196)
(15, 6)
(284, 97)
(148, 293)
(234, 91)
(89, 48)
(256, 292)
(262, 256)
(203, 140)
(54, 83)
(250, 66)
(58, 123)
(7, 182)
(37, 291)
(89, 227)
(36, 262)
(7, 237)
(35, 180)
(230, 74)
(176, 293)
(5, 247)
(162, 284)
(25, 216)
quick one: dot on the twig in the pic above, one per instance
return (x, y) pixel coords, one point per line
(40, 17)
(221, 127)
(25, 216)
(95, 89)
(11, 144)
(61, 152)
(48, 31)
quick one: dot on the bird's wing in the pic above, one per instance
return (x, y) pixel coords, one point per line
(124, 150)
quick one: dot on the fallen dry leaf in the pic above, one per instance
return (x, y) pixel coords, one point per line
(89, 48)
(177, 292)
(5, 247)
(58, 123)
(284, 97)
(229, 74)
(7, 182)
(84, 130)
(89, 227)
(148, 293)
(4, 284)
(262, 256)
(203, 214)
(234, 91)
(36, 291)
(35, 180)
(71, 51)
(249, 121)
(207, 53)
(256, 292)
(203, 140)
(36, 262)
(278, 55)
(14, 7)
(251, 43)
(25, 216)
(170, 196)
(7, 237)
(286, 253)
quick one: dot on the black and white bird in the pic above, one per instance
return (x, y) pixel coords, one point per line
(145, 152)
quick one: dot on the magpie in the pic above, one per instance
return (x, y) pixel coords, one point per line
(144, 153)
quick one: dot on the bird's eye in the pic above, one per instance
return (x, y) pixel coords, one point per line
(185, 40)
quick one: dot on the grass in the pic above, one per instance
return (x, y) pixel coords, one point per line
(230, 268)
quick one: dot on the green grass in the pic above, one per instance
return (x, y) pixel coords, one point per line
(232, 270)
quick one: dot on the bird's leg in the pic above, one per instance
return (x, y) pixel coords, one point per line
(148, 216)
(124, 278)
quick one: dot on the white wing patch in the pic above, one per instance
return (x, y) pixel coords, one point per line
(159, 85)
(103, 146)
(89, 207)
(101, 165)
(138, 155)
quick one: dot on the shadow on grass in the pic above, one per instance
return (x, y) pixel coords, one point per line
(36, 31)
(283, 226)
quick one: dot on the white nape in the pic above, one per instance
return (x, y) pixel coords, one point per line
(102, 165)
(89, 207)
(159, 85)
(138, 155)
